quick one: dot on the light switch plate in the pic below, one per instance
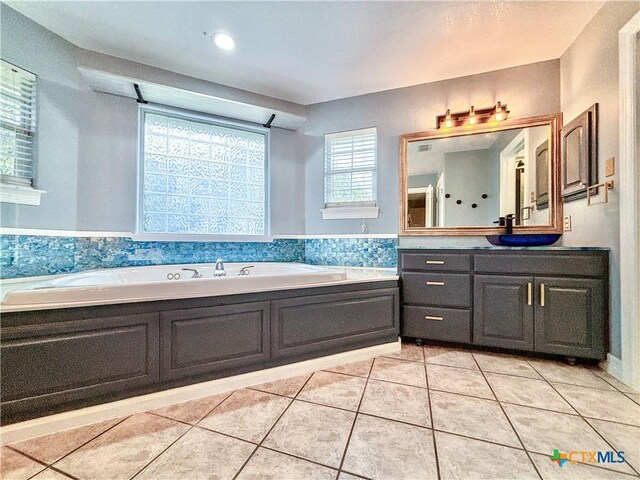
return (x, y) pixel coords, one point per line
(567, 223)
(610, 167)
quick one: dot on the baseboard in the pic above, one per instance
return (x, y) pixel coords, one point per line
(98, 413)
(613, 366)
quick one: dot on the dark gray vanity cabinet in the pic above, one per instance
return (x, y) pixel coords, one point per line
(195, 341)
(503, 311)
(538, 300)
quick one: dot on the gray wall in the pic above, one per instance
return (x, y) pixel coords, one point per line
(415, 181)
(589, 74)
(529, 90)
(466, 178)
(87, 141)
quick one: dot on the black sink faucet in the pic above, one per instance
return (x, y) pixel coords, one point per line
(507, 223)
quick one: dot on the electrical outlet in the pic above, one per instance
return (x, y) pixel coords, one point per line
(567, 223)
(610, 167)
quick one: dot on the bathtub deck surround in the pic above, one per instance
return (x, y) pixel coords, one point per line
(404, 415)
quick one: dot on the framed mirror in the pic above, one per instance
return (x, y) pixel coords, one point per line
(459, 181)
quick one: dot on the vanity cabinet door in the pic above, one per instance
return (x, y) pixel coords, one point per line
(570, 316)
(503, 311)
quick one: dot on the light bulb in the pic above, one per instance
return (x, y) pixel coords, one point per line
(448, 122)
(499, 112)
(472, 115)
(224, 41)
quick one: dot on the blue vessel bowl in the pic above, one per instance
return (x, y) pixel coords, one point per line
(515, 240)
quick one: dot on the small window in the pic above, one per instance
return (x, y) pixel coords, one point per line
(201, 176)
(17, 125)
(350, 168)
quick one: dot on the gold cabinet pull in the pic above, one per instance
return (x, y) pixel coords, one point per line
(430, 317)
(542, 294)
(529, 289)
(439, 284)
(435, 262)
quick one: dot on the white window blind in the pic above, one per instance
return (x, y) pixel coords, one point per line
(350, 168)
(17, 124)
(200, 177)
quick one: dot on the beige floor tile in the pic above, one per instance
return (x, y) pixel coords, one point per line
(246, 414)
(624, 438)
(383, 449)
(266, 464)
(398, 402)
(50, 448)
(613, 381)
(200, 454)
(15, 466)
(358, 369)
(464, 458)
(192, 411)
(449, 357)
(507, 364)
(458, 380)
(314, 432)
(572, 374)
(473, 417)
(289, 387)
(410, 352)
(123, 450)
(542, 432)
(602, 404)
(399, 371)
(50, 474)
(348, 476)
(574, 471)
(527, 391)
(334, 389)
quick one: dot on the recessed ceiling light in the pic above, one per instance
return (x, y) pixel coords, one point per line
(224, 41)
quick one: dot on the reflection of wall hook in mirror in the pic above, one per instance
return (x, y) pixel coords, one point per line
(484, 196)
(447, 195)
(474, 205)
(458, 202)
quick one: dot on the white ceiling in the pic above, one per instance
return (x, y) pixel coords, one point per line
(309, 52)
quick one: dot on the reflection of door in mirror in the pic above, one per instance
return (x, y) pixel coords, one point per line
(521, 212)
(542, 181)
(421, 206)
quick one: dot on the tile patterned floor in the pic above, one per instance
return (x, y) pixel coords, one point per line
(424, 413)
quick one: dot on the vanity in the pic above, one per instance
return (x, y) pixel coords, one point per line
(551, 300)
(488, 176)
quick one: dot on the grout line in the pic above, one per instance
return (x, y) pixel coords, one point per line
(433, 425)
(509, 420)
(271, 429)
(355, 418)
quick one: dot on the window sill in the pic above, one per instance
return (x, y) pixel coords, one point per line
(20, 195)
(195, 237)
(344, 213)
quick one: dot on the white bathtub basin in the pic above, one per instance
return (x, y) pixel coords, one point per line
(161, 283)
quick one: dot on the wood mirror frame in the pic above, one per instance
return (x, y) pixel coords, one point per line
(555, 221)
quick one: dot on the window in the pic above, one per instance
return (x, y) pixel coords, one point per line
(201, 176)
(17, 130)
(350, 170)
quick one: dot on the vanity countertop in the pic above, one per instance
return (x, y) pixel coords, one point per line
(494, 247)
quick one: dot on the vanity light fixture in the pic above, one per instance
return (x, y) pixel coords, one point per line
(494, 113)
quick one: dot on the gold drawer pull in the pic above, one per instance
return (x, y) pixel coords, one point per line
(529, 288)
(542, 294)
(439, 284)
(435, 262)
(429, 317)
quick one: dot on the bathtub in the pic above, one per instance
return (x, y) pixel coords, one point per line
(138, 284)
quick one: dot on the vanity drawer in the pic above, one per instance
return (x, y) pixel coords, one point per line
(437, 324)
(441, 289)
(556, 264)
(428, 262)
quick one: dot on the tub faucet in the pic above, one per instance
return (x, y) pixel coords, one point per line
(196, 273)
(219, 270)
(244, 270)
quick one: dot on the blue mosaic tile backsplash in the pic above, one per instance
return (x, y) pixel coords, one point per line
(27, 256)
